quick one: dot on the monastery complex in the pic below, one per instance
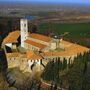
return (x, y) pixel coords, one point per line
(36, 50)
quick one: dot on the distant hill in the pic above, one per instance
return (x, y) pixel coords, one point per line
(43, 7)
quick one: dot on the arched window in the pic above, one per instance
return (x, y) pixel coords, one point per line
(25, 25)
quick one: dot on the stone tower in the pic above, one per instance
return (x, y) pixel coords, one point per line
(24, 30)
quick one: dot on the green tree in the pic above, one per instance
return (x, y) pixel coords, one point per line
(64, 64)
(79, 74)
(48, 73)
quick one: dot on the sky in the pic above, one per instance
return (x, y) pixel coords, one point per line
(51, 1)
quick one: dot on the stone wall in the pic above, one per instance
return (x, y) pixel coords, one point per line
(25, 64)
(13, 62)
(30, 47)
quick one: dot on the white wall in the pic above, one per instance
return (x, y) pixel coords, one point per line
(53, 46)
(9, 45)
(24, 30)
(30, 62)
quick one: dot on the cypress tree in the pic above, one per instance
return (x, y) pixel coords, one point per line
(55, 86)
(69, 65)
(64, 63)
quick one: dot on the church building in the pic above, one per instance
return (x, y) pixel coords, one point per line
(34, 41)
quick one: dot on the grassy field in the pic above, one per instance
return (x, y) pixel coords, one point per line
(73, 29)
(73, 32)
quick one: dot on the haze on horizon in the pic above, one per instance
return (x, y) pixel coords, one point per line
(84, 2)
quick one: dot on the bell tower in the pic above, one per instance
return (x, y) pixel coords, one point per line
(24, 30)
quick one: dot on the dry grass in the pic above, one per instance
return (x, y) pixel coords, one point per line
(4, 84)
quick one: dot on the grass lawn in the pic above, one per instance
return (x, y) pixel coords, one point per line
(57, 50)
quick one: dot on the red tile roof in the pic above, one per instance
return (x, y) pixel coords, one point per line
(32, 55)
(12, 37)
(73, 49)
(40, 37)
(41, 46)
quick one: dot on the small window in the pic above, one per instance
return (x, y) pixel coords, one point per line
(24, 25)
(25, 37)
(22, 60)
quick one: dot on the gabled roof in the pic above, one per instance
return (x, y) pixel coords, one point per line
(32, 55)
(40, 37)
(29, 55)
(12, 37)
(41, 46)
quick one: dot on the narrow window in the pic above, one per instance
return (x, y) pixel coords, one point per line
(24, 25)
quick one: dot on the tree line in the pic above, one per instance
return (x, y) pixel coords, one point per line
(77, 74)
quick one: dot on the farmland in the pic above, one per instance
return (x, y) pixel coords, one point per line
(76, 29)
(75, 32)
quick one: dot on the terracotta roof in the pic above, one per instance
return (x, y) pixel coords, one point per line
(73, 49)
(41, 46)
(10, 55)
(32, 55)
(40, 37)
(66, 42)
(12, 37)
(29, 55)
